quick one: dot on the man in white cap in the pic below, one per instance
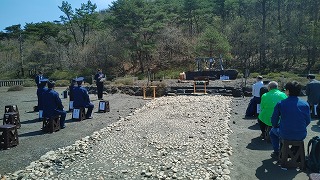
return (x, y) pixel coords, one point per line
(81, 98)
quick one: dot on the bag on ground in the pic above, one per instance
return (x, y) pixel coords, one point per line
(313, 157)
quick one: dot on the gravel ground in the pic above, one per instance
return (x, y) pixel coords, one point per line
(183, 137)
(33, 143)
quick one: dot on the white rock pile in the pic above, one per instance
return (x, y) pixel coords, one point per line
(183, 137)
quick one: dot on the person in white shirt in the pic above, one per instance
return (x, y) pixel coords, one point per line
(252, 107)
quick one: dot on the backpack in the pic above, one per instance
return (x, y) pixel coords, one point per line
(313, 158)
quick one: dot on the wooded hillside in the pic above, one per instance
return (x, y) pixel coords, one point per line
(132, 36)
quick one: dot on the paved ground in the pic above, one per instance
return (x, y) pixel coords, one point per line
(251, 155)
(34, 143)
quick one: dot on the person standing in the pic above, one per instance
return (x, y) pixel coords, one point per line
(38, 78)
(99, 77)
(53, 105)
(211, 60)
(71, 96)
(313, 93)
(81, 98)
(41, 89)
(295, 117)
(252, 107)
(268, 102)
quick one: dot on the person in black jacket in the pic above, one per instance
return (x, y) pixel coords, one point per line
(71, 96)
(99, 77)
(38, 78)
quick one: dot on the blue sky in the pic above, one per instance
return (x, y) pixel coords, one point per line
(14, 12)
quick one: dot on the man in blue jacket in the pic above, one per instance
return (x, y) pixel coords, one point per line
(38, 78)
(53, 105)
(81, 98)
(41, 88)
(295, 117)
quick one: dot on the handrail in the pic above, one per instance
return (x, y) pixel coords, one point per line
(13, 82)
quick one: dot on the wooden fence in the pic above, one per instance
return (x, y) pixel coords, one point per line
(13, 82)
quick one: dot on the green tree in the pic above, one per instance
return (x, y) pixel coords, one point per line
(136, 23)
(212, 43)
(81, 22)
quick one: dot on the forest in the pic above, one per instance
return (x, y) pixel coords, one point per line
(131, 37)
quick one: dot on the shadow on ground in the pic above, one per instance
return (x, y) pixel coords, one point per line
(269, 168)
(32, 133)
(315, 128)
(254, 127)
(30, 121)
(259, 144)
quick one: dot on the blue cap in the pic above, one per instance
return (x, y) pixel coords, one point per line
(44, 80)
(79, 79)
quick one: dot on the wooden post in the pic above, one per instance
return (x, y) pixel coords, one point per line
(144, 92)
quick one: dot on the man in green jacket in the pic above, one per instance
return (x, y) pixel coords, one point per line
(268, 102)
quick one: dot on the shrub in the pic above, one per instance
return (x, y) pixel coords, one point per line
(254, 75)
(58, 75)
(62, 83)
(169, 74)
(141, 76)
(29, 83)
(124, 81)
(16, 88)
(240, 75)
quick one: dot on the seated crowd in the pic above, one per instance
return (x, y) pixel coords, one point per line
(281, 115)
(49, 102)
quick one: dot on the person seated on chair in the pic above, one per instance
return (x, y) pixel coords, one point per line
(53, 105)
(263, 126)
(295, 117)
(41, 88)
(81, 98)
(268, 101)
